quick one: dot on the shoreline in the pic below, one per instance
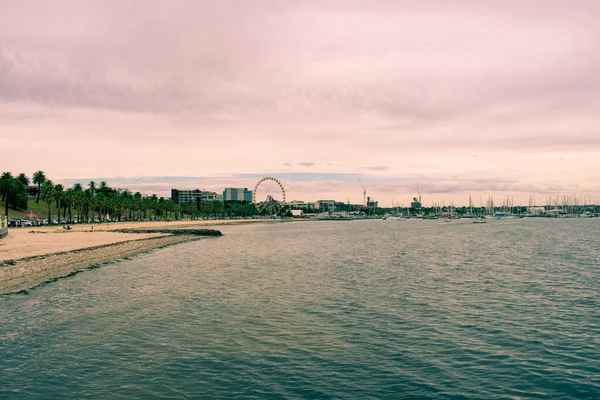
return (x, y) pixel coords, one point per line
(21, 275)
(40, 240)
(30, 258)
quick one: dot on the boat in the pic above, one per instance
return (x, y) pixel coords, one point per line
(449, 216)
(479, 220)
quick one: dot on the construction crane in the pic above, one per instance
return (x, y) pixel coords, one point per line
(364, 188)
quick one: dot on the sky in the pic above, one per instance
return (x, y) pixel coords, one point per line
(466, 97)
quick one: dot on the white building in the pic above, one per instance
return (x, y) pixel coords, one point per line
(297, 213)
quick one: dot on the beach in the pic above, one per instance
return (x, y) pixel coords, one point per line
(33, 256)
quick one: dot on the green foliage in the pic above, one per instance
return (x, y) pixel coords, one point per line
(13, 191)
(23, 179)
(39, 178)
(48, 196)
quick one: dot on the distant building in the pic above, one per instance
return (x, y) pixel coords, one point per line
(372, 203)
(207, 197)
(237, 194)
(416, 203)
(297, 213)
(341, 206)
(196, 195)
(326, 205)
(184, 196)
(32, 192)
(301, 205)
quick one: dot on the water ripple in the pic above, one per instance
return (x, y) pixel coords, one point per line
(373, 309)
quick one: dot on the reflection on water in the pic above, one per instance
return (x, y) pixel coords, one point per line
(349, 309)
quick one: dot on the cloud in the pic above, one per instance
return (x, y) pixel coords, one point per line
(390, 90)
(380, 168)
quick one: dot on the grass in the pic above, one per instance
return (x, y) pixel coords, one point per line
(38, 210)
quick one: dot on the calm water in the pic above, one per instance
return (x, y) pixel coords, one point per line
(361, 309)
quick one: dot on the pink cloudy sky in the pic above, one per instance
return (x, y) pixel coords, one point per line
(483, 97)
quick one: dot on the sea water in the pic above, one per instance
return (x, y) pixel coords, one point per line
(348, 309)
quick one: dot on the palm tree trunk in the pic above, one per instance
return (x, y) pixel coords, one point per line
(37, 200)
(58, 207)
(49, 214)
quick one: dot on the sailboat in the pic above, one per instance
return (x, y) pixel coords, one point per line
(450, 217)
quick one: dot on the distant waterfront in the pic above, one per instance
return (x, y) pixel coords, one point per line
(379, 309)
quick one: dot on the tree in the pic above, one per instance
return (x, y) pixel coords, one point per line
(190, 209)
(59, 192)
(13, 192)
(39, 178)
(67, 203)
(137, 204)
(24, 179)
(92, 187)
(48, 197)
(6, 188)
(5, 179)
(78, 200)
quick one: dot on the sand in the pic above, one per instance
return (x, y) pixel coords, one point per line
(22, 243)
(34, 271)
(28, 242)
(30, 257)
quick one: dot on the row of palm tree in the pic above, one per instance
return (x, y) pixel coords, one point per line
(96, 202)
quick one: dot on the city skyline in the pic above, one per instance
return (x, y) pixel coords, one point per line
(163, 186)
(461, 98)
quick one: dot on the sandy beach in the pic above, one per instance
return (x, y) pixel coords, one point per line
(27, 242)
(32, 256)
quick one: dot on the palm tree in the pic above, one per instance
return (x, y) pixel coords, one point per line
(92, 186)
(137, 204)
(104, 188)
(6, 188)
(48, 197)
(59, 192)
(24, 179)
(67, 202)
(5, 179)
(153, 200)
(126, 197)
(78, 199)
(13, 191)
(39, 178)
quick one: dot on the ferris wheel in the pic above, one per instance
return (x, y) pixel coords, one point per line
(268, 196)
